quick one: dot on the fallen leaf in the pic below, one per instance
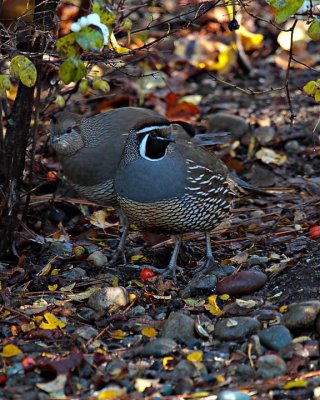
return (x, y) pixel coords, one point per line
(52, 322)
(10, 350)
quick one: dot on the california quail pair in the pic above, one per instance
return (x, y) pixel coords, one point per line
(90, 150)
(169, 186)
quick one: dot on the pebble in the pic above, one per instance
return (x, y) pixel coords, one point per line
(275, 337)
(257, 260)
(203, 283)
(185, 368)
(291, 350)
(270, 366)
(178, 326)
(293, 146)
(74, 273)
(107, 297)
(264, 134)
(97, 259)
(136, 312)
(159, 347)
(302, 315)
(235, 328)
(232, 395)
(318, 325)
(243, 282)
(86, 332)
(222, 122)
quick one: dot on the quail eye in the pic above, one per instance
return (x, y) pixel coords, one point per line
(69, 130)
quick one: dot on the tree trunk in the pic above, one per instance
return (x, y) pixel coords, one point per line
(14, 145)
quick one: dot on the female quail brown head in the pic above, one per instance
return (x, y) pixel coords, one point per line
(169, 186)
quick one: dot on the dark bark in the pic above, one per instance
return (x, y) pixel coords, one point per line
(14, 147)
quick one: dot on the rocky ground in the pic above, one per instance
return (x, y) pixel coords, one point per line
(73, 329)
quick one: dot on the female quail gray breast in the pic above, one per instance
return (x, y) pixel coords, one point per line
(181, 189)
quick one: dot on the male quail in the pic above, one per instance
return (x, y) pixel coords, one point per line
(169, 186)
(90, 150)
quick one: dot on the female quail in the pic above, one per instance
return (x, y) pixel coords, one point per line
(167, 185)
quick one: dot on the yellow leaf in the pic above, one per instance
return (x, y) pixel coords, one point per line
(250, 40)
(137, 283)
(269, 156)
(317, 96)
(195, 356)
(98, 219)
(167, 363)
(297, 383)
(114, 45)
(117, 334)
(28, 327)
(52, 322)
(149, 332)
(213, 307)
(10, 350)
(83, 295)
(224, 297)
(52, 288)
(45, 270)
(138, 257)
(115, 281)
(55, 272)
(110, 394)
(132, 297)
(310, 87)
(199, 395)
(283, 309)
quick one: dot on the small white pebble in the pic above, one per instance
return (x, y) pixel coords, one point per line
(93, 19)
(75, 27)
(82, 22)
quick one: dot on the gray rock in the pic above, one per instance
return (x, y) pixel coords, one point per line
(270, 366)
(136, 312)
(301, 315)
(232, 395)
(235, 328)
(178, 326)
(257, 260)
(264, 134)
(86, 332)
(74, 273)
(222, 122)
(291, 350)
(159, 347)
(206, 283)
(275, 337)
(185, 367)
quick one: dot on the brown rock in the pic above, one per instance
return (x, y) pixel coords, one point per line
(243, 282)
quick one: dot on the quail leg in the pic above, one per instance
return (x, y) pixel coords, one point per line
(210, 262)
(124, 223)
(173, 261)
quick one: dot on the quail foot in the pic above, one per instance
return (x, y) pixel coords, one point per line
(167, 185)
(90, 150)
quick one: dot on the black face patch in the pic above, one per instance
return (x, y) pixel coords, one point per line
(156, 146)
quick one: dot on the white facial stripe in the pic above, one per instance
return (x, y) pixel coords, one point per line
(152, 128)
(142, 149)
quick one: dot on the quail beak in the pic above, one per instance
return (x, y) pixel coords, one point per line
(170, 138)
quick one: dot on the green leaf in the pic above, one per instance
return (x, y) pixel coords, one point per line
(317, 96)
(310, 87)
(284, 8)
(22, 68)
(90, 39)
(72, 70)
(66, 46)
(314, 30)
(5, 84)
